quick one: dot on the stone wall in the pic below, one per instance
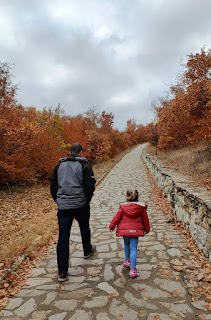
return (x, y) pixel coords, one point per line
(191, 203)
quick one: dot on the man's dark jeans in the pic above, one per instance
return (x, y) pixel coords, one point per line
(65, 219)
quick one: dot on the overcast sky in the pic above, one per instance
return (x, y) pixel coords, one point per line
(116, 55)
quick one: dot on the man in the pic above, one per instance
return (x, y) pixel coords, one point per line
(72, 187)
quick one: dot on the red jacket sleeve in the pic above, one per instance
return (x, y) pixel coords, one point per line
(116, 219)
(145, 221)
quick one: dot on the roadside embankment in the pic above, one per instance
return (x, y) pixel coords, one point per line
(190, 202)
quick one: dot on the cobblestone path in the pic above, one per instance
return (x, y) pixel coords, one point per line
(100, 288)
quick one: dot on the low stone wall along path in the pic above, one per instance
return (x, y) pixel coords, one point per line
(100, 287)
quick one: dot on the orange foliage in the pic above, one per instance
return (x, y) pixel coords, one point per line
(186, 118)
(46, 151)
(16, 143)
(74, 129)
(147, 133)
(31, 141)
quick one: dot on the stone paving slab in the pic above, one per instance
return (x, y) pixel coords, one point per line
(100, 288)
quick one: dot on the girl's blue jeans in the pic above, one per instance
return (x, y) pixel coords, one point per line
(131, 244)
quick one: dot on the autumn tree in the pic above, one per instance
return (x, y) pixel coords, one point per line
(17, 132)
(186, 118)
(131, 130)
(99, 135)
(7, 89)
(106, 121)
(17, 142)
(31, 141)
(49, 145)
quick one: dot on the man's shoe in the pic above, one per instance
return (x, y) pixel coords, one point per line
(62, 277)
(92, 252)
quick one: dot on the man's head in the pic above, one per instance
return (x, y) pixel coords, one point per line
(76, 148)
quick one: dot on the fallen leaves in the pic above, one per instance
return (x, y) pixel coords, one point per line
(30, 227)
(176, 293)
(180, 301)
(208, 306)
(204, 277)
(18, 278)
(182, 314)
(30, 291)
(120, 299)
(200, 276)
(2, 293)
(179, 268)
(165, 272)
(3, 302)
(90, 295)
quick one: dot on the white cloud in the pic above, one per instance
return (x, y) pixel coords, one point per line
(115, 55)
(7, 34)
(122, 99)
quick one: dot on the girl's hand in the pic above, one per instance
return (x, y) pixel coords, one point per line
(111, 230)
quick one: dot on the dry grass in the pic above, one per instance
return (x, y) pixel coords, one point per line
(194, 161)
(28, 218)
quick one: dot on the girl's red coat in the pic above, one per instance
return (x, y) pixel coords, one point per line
(131, 220)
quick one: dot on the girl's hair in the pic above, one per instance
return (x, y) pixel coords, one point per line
(132, 195)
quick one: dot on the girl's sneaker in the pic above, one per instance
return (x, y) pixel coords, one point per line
(127, 263)
(134, 273)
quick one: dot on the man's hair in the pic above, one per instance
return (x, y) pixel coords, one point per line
(76, 148)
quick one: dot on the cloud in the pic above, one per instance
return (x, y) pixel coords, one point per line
(116, 55)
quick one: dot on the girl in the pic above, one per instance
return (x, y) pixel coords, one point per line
(132, 221)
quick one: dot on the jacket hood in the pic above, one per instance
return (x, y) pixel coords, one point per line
(73, 158)
(133, 209)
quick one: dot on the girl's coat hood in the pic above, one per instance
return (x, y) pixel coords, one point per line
(132, 209)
